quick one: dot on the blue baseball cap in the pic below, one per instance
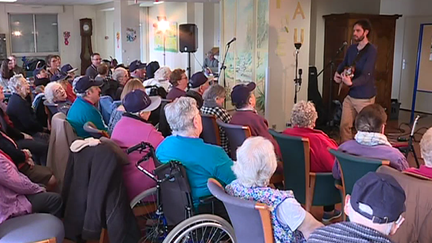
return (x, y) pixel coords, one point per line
(59, 77)
(378, 197)
(198, 79)
(241, 92)
(138, 101)
(84, 83)
(67, 68)
(137, 64)
(37, 71)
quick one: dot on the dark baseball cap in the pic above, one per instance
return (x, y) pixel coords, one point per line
(378, 197)
(67, 68)
(137, 64)
(138, 101)
(198, 79)
(241, 92)
(59, 76)
(37, 71)
(84, 83)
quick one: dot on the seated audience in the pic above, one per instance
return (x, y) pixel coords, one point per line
(53, 65)
(214, 98)
(20, 196)
(134, 128)
(303, 118)
(255, 165)
(160, 81)
(96, 60)
(20, 110)
(109, 86)
(179, 82)
(16, 69)
(7, 73)
(198, 84)
(117, 114)
(151, 68)
(84, 108)
(137, 70)
(41, 76)
(243, 99)
(120, 75)
(56, 98)
(370, 140)
(426, 153)
(374, 208)
(67, 82)
(202, 161)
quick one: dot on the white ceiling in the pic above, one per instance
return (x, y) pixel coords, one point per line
(94, 2)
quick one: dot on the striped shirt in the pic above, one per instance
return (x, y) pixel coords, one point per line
(347, 232)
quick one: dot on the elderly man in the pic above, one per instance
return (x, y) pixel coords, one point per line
(179, 82)
(84, 108)
(211, 62)
(370, 140)
(255, 165)
(92, 69)
(214, 98)
(56, 98)
(137, 70)
(121, 75)
(206, 161)
(426, 153)
(375, 210)
(199, 83)
(303, 118)
(243, 99)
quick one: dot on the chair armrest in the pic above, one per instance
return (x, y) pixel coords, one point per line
(208, 199)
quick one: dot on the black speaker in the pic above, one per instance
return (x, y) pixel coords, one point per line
(188, 35)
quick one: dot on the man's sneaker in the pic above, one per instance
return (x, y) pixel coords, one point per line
(328, 216)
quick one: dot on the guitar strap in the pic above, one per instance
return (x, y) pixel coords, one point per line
(360, 54)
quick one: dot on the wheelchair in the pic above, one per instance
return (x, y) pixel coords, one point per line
(166, 212)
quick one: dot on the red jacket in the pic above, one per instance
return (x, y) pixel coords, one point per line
(320, 158)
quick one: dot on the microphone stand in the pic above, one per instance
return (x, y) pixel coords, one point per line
(298, 73)
(223, 67)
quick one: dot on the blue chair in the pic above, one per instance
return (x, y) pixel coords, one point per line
(310, 188)
(210, 133)
(36, 227)
(106, 107)
(251, 220)
(236, 136)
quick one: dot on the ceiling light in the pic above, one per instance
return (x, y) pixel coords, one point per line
(8, 1)
(16, 33)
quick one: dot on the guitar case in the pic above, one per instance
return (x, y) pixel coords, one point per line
(315, 97)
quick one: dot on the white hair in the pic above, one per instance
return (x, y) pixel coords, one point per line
(426, 147)
(15, 83)
(180, 115)
(256, 162)
(304, 114)
(118, 73)
(356, 217)
(163, 73)
(49, 91)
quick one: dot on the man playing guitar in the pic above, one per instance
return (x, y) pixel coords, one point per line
(356, 72)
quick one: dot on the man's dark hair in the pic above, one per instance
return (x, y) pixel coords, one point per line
(365, 24)
(371, 119)
(94, 54)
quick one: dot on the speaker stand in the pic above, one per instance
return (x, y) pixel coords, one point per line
(189, 65)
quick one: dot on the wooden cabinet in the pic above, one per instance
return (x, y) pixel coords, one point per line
(338, 29)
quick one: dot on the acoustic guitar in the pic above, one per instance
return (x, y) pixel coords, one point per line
(343, 88)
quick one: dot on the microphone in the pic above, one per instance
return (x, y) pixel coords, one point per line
(231, 41)
(342, 46)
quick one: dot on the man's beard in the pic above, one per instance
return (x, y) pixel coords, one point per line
(359, 39)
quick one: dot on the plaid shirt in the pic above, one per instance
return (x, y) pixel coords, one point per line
(223, 115)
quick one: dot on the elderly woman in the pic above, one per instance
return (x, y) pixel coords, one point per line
(179, 81)
(116, 115)
(303, 118)
(214, 98)
(159, 82)
(134, 128)
(202, 161)
(56, 98)
(426, 153)
(19, 109)
(256, 163)
(120, 75)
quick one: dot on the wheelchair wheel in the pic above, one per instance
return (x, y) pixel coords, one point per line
(205, 228)
(153, 227)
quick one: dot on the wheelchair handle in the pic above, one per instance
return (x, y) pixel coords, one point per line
(140, 146)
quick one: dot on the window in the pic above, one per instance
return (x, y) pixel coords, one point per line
(33, 33)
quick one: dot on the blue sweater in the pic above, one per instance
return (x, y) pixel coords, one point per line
(202, 161)
(363, 86)
(81, 112)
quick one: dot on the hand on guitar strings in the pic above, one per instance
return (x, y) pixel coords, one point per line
(347, 80)
(337, 77)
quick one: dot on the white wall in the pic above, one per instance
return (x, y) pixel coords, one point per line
(68, 20)
(319, 8)
(105, 34)
(407, 34)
